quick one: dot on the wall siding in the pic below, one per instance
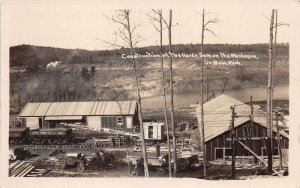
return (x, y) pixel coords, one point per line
(224, 140)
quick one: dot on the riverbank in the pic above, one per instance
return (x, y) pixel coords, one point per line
(187, 99)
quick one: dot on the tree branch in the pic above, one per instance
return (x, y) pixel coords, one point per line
(211, 21)
(137, 40)
(281, 24)
(206, 29)
(155, 19)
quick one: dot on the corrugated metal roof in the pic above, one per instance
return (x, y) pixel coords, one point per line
(63, 118)
(79, 108)
(70, 108)
(35, 109)
(114, 108)
(217, 115)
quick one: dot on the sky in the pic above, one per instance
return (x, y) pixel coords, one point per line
(84, 26)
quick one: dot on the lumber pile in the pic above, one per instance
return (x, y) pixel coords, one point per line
(20, 168)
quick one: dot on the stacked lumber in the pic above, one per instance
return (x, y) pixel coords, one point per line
(37, 172)
(20, 168)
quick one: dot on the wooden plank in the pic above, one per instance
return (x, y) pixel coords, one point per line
(14, 163)
(258, 157)
(27, 171)
(23, 171)
(40, 169)
(31, 175)
(17, 166)
(16, 172)
(19, 170)
(253, 153)
(37, 172)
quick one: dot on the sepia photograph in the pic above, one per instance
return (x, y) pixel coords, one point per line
(99, 92)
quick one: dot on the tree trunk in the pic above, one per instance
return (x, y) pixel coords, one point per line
(164, 94)
(269, 97)
(201, 128)
(172, 95)
(274, 62)
(140, 116)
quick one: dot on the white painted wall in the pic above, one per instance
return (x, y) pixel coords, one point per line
(94, 122)
(129, 122)
(32, 122)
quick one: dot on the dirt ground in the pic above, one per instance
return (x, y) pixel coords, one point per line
(120, 168)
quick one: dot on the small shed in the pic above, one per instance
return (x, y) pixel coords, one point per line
(252, 133)
(153, 130)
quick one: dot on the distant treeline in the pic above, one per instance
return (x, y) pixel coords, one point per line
(34, 58)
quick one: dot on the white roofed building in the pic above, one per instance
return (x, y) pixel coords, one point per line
(95, 115)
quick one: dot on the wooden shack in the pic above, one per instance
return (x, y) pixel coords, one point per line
(153, 130)
(250, 131)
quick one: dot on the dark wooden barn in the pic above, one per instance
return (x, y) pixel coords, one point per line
(253, 133)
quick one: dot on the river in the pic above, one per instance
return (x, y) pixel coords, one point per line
(186, 99)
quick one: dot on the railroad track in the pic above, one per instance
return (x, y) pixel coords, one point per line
(62, 146)
(71, 146)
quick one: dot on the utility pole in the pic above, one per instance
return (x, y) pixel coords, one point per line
(278, 141)
(251, 122)
(19, 90)
(172, 93)
(201, 128)
(232, 142)
(251, 105)
(206, 87)
(273, 71)
(273, 74)
(270, 97)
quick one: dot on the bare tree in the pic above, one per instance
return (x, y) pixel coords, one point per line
(201, 128)
(169, 26)
(272, 60)
(269, 95)
(159, 19)
(127, 33)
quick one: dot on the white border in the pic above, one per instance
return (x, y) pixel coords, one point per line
(293, 180)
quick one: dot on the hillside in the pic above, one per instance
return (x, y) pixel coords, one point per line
(29, 55)
(90, 75)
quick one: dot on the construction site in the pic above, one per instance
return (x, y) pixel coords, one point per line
(235, 142)
(171, 115)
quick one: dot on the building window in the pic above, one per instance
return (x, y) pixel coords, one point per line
(228, 152)
(119, 120)
(263, 151)
(247, 131)
(222, 153)
(219, 154)
(150, 132)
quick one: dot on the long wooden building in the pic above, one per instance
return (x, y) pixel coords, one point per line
(95, 115)
(251, 132)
